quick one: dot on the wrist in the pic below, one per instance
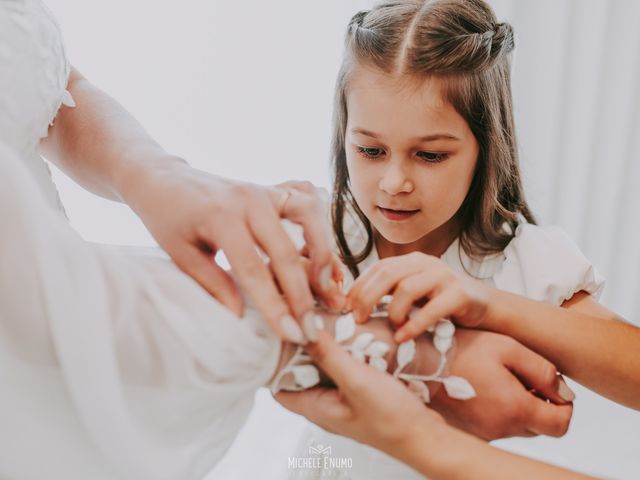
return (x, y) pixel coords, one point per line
(133, 180)
(498, 313)
(424, 447)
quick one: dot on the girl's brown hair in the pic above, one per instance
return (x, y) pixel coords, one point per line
(461, 42)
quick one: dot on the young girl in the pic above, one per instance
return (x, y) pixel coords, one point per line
(426, 178)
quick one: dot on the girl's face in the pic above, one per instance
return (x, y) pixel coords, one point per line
(411, 159)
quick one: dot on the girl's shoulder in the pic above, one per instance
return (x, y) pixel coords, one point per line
(542, 263)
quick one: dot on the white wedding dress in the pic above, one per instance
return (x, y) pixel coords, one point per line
(113, 363)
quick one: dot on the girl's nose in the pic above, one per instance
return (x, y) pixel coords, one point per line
(395, 180)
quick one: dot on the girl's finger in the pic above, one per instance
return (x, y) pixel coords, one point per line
(381, 281)
(441, 306)
(412, 289)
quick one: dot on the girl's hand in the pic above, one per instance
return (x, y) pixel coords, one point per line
(414, 279)
(193, 215)
(369, 406)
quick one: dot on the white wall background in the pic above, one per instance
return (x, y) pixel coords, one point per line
(244, 89)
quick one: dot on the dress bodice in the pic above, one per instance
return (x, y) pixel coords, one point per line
(33, 76)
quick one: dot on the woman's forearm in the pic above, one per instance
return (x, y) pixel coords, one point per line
(444, 453)
(584, 340)
(100, 145)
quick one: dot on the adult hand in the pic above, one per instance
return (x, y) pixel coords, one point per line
(193, 215)
(369, 406)
(417, 278)
(503, 372)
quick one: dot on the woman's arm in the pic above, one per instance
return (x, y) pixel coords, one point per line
(584, 340)
(449, 454)
(100, 145)
(374, 408)
(194, 214)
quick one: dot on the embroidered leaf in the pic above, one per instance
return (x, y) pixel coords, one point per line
(378, 363)
(406, 352)
(345, 328)
(377, 349)
(386, 299)
(445, 328)
(358, 355)
(459, 388)
(306, 375)
(362, 341)
(442, 344)
(420, 389)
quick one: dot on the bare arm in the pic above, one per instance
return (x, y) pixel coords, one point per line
(100, 145)
(449, 454)
(194, 214)
(584, 340)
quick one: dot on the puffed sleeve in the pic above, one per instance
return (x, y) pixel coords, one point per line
(113, 363)
(543, 263)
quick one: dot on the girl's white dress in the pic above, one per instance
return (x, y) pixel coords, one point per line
(113, 363)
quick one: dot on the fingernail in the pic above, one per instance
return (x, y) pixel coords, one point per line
(564, 391)
(292, 330)
(319, 322)
(348, 304)
(310, 326)
(325, 277)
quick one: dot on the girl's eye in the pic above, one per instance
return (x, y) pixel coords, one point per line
(370, 152)
(432, 157)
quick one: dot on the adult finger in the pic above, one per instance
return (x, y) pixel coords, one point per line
(537, 373)
(305, 208)
(253, 275)
(285, 260)
(201, 267)
(545, 418)
(322, 406)
(347, 373)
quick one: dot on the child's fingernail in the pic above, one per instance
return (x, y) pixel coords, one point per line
(348, 304)
(292, 330)
(564, 391)
(310, 326)
(338, 302)
(325, 277)
(400, 336)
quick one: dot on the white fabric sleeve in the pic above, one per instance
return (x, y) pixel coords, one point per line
(113, 364)
(544, 264)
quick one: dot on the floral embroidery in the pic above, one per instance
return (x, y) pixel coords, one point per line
(366, 349)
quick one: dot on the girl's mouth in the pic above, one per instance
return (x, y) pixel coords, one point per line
(397, 215)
